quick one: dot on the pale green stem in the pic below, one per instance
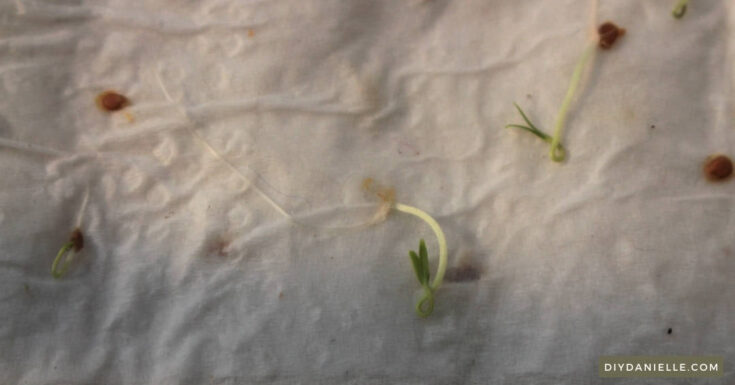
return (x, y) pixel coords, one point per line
(556, 153)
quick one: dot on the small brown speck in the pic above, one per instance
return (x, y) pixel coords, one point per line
(717, 168)
(280, 295)
(669, 331)
(653, 126)
(609, 33)
(251, 32)
(77, 239)
(112, 101)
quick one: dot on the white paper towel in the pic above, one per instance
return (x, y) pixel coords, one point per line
(189, 276)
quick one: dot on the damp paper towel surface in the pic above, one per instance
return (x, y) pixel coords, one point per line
(190, 276)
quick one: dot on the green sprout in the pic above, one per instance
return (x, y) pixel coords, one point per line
(75, 243)
(680, 9)
(421, 268)
(424, 306)
(55, 271)
(557, 153)
(420, 261)
(532, 129)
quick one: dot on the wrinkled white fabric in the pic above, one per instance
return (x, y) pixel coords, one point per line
(189, 276)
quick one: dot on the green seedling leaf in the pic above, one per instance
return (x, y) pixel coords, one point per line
(530, 126)
(420, 263)
(534, 130)
(417, 266)
(424, 262)
(559, 153)
(57, 272)
(543, 136)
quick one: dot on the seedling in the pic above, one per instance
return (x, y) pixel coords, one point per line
(420, 261)
(425, 305)
(680, 9)
(421, 267)
(557, 153)
(532, 129)
(72, 247)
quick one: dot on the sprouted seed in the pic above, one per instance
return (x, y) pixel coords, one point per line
(530, 127)
(387, 197)
(425, 305)
(73, 246)
(557, 153)
(680, 9)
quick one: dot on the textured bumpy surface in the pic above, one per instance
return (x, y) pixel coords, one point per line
(188, 276)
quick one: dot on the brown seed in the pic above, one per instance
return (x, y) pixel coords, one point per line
(717, 167)
(112, 101)
(77, 239)
(609, 33)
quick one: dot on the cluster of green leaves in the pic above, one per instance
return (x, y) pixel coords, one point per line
(421, 267)
(421, 264)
